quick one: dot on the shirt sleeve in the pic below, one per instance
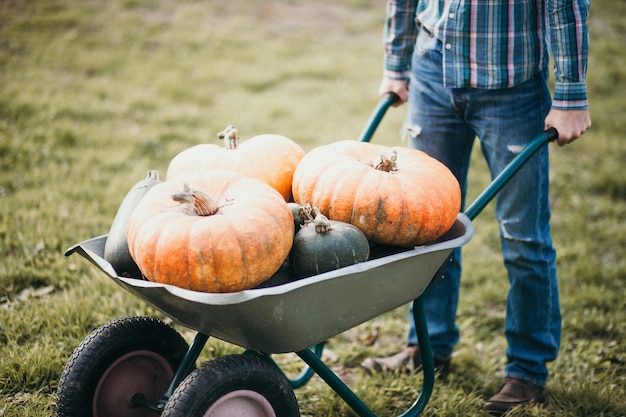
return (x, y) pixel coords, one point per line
(569, 42)
(400, 35)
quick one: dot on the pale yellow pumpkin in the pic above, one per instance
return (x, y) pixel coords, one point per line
(271, 158)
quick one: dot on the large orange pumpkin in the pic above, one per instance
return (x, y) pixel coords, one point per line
(271, 158)
(218, 231)
(396, 196)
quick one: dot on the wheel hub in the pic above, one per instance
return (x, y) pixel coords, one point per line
(141, 371)
(241, 403)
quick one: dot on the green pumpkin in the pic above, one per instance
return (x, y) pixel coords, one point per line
(299, 216)
(116, 247)
(324, 245)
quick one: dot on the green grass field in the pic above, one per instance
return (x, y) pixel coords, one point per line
(93, 94)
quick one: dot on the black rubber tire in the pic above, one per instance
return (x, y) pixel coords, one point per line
(229, 375)
(144, 340)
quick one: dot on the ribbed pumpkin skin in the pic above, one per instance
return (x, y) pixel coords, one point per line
(318, 252)
(271, 158)
(237, 248)
(413, 205)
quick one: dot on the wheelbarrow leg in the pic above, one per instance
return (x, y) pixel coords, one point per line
(428, 364)
(187, 364)
(334, 382)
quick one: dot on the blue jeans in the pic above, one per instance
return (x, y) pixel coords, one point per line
(444, 123)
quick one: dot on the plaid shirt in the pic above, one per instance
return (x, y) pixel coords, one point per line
(496, 43)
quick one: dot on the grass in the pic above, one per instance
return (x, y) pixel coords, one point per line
(94, 94)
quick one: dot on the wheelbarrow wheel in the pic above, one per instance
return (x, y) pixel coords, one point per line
(234, 385)
(121, 359)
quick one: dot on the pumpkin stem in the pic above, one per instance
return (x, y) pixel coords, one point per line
(202, 204)
(306, 213)
(388, 161)
(230, 136)
(321, 222)
(313, 215)
(153, 174)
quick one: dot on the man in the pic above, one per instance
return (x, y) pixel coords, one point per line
(479, 68)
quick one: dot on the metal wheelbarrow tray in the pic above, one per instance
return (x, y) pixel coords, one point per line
(299, 314)
(134, 375)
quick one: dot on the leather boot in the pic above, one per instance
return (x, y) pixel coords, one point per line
(512, 393)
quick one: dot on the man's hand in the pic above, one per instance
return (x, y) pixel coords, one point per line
(399, 87)
(570, 124)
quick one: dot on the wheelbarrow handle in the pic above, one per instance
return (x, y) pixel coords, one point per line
(509, 171)
(381, 108)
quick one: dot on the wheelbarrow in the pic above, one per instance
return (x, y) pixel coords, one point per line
(141, 366)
